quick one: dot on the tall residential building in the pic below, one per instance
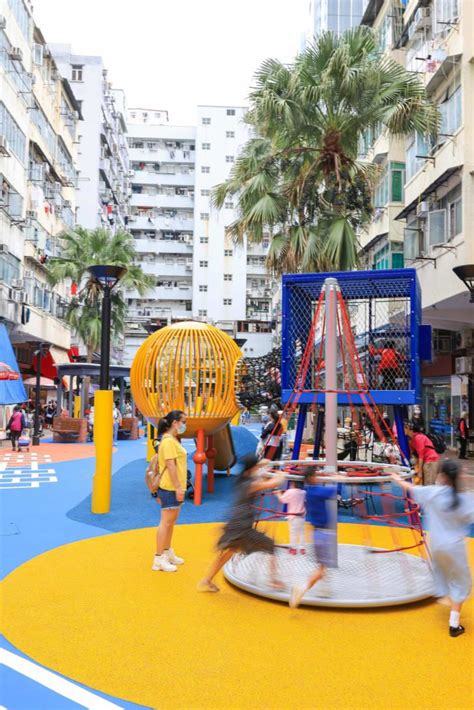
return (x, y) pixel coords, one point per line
(334, 15)
(38, 122)
(425, 198)
(103, 186)
(231, 287)
(162, 158)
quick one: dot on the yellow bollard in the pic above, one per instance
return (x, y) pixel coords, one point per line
(150, 451)
(102, 481)
(77, 406)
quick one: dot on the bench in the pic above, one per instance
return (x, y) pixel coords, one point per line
(66, 429)
(129, 428)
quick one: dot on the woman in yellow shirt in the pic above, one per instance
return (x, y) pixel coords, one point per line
(172, 462)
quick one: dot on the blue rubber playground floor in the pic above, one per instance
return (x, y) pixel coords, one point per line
(48, 505)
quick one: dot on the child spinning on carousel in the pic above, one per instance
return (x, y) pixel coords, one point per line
(449, 515)
(318, 513)
(239, 534)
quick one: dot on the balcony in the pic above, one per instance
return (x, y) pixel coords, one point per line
(173, 293)
(256, 269)
(140, 199)
(164, 224)
(163, 246)
(162, 155)
(258, 315)
(178, 179)
(160, 268)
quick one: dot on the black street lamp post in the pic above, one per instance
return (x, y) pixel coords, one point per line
(107, 277)
(466, 274)
(43, 349)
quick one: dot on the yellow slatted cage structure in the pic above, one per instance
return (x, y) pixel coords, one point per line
(190, 366)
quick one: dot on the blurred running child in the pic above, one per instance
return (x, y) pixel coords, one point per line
(239, 534)
(318, 513)
(449, 516)
(294, 498)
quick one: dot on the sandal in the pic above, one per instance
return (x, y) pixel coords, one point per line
(204, 586)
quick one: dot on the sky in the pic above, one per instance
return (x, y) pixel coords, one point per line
(176, 54)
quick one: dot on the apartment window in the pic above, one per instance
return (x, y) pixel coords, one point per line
(203, 289)
(229, 158)
(204, 240)
(451, 109)
(77, 73)
(417, 146)
(230, 134)
(228, 252)
(231, 112)
(412, 240)
(206, 121)
(391, 185)
(203, 264)
(14, 136)
(206, 146)
(227, 277)
(445, 13)
(205, 216)
(455, 218)
(227, 301)
(229, 205)
(202, 313)
(436, 227)
(205, 169)
(205, 193)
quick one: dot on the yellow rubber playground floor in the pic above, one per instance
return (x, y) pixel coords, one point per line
(94, 611)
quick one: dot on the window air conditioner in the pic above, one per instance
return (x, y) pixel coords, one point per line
(422, 18)
(3, 22)
(464, 365)
(422, 209)
(28, 274)
(464, 339)
(17, 283)
(15, 54)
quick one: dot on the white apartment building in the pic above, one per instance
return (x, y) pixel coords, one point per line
(231, 287)
(103, 185)
(334, 15)
(38, 122)
(431, 215)
(162, 159)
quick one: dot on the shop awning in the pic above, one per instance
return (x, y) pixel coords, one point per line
(54, 356)
(12, 390)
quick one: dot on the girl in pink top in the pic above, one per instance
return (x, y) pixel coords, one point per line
(294, 498)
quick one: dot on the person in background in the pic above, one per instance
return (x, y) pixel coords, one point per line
(172, 463)
(389, 368)
(128, 409)
(272, 436)
(117, 417)
(463, 433)
(426, 456)
(450, 514)
(15, 426)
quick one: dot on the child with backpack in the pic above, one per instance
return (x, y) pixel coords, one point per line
(15, 426)
(449, 515)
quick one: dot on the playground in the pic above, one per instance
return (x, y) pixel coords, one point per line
(87, 623)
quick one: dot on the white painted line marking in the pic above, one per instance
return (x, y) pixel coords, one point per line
(59, 685)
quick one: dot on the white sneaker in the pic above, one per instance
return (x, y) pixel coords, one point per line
(161, 564)
(171, 557)
(297, 594)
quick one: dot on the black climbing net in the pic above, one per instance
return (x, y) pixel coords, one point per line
(259, 380)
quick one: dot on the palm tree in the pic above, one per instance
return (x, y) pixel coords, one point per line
(83, 248)
(300, 177)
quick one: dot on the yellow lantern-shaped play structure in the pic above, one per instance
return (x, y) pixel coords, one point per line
(189, 366)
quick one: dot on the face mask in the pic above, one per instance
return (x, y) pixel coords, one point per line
(181, 428)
